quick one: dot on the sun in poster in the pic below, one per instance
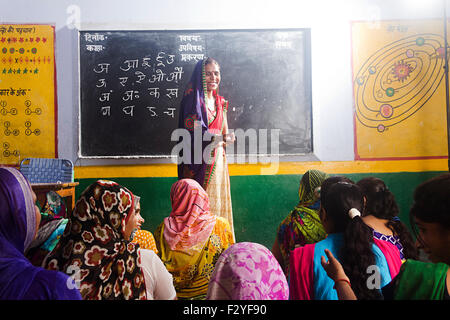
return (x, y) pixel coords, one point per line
(392, 84)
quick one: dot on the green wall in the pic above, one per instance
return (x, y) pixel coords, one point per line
(259, 202)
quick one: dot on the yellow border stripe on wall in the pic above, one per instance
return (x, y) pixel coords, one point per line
(331, 167)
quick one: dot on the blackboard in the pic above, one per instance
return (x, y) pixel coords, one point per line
(132, 82)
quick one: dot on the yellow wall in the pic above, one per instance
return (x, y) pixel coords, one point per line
(331, 167)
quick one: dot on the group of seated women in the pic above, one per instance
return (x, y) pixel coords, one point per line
(102, 253)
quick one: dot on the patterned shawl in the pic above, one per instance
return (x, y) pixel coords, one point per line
(303, 225)
(190, 223)
(19, 279)
(247, 271)
(93, 246)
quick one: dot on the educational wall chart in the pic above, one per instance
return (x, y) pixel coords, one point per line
(399, 89)
(27, 92)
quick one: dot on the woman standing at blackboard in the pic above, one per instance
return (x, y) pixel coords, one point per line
(203, 108)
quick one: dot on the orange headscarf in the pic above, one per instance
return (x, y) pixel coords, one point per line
(190, 223)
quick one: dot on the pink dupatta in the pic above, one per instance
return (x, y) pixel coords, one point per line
(391, 254)
(301, 262)
(190, 223)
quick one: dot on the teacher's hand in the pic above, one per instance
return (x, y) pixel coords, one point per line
(229, 137)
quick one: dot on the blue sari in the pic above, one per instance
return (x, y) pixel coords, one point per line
(19, 279)
(309, 280)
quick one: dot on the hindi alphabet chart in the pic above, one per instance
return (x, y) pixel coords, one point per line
(27, 92)
(399, 90)
(133, 95)
(132, 83)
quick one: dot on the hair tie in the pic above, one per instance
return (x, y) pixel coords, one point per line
(353, 212)
(395, 218)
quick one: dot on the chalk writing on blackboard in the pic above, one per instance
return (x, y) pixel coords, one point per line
(131, 89)
(165, 72)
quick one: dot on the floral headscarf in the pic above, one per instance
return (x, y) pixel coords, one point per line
(93, 248)
(247, 271)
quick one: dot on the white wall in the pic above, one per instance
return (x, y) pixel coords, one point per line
(329, 21)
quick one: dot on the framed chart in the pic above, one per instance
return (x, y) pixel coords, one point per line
(399, 90)
(28, 111)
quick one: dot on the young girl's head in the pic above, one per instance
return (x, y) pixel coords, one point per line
(327, 183)
(430, 214)
(342, 207)
(380, 203)
(336, 201)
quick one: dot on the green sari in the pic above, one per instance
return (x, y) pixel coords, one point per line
(421, 281)
(303, 226)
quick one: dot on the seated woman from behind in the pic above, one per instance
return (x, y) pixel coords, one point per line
(95, 245)
(247, 271)
(191, 239)
(417, 280)
(351, 241)
(381, 215)
(19, 222)
(302, 225)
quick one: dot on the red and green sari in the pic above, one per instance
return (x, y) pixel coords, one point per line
(212, 174)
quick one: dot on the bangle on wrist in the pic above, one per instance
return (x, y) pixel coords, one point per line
(345, 280)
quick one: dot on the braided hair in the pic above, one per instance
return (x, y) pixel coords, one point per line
(356, 253)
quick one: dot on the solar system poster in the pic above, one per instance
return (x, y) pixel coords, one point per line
(399, 90)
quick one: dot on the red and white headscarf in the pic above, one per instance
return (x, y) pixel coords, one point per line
(190, 223)
(93, 248)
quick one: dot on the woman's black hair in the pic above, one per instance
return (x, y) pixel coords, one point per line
(380, 203)
(328, 182)
(431, 202)
(356, 253)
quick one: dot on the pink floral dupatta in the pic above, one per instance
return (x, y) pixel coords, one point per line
(190, 223)
(247, 271)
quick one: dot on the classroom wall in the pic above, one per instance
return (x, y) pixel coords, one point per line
(260, 199)
(259, 202)
(330, 41)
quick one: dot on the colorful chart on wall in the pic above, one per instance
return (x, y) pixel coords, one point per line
(399, 90)
(28, 118)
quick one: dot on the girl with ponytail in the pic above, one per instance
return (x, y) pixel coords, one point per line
(368, 267)
(381, 215)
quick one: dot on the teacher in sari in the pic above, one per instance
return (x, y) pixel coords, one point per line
(203, 109)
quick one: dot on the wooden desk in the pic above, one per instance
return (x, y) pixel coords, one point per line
(64, 189)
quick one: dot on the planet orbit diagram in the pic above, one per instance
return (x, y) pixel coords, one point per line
(398, 79)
